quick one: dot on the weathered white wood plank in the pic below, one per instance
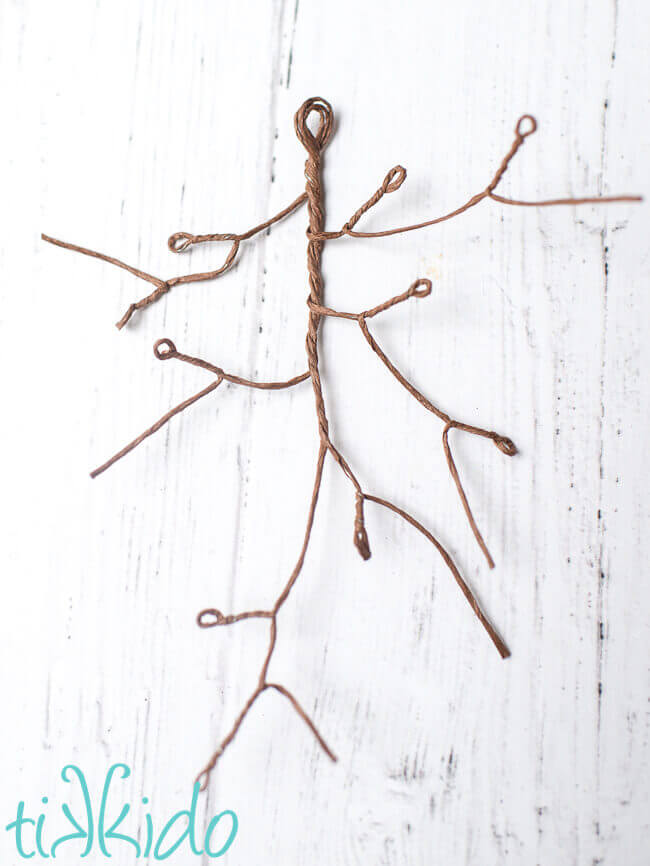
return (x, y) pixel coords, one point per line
(127, 121)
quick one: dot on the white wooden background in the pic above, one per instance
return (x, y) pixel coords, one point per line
(124, 121)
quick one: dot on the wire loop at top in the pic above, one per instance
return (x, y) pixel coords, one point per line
(310, 141)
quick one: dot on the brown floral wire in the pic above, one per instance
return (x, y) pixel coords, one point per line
(396, 176)
(314, 143)
(177, 243)
(165, 349)
(503, 443)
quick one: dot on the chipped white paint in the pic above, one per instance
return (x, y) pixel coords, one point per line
(125, 121)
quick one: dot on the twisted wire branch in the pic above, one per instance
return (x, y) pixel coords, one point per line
(165, 349)
(177, 243)
(314, 141)
(180, 241)
(520, 135)
(503, 443)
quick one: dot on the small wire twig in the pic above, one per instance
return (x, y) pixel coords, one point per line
(155, 427)
(497, 640)
(177, 243)
(180, 241)
(165, 349)
(488, 192)
(503, 443)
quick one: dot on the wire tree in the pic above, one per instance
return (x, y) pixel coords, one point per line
(318, 112)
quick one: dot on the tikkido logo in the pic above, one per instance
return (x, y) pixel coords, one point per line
(101, 836)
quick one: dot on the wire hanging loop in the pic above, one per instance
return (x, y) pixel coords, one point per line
(314, 143)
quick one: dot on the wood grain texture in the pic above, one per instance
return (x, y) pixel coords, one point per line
(126, 121)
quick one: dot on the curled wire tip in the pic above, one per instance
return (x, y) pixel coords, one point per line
(164, 349)
(394, 179)
(520, 132)
(180, 241)
(210, 617)
(362, 544)
(505, 445)
(416, 292)
(360, 535)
